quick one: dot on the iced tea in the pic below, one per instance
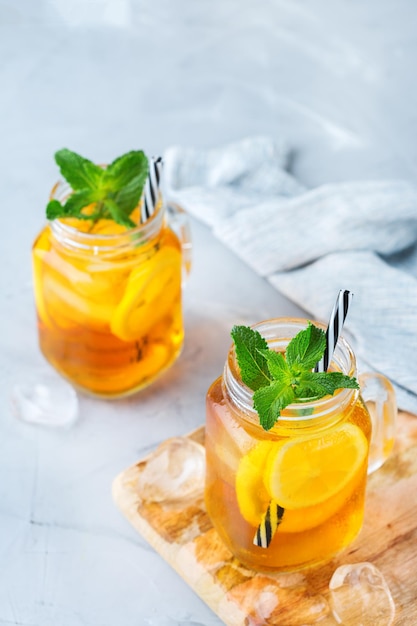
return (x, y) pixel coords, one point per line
(308, 473)
(108, 301)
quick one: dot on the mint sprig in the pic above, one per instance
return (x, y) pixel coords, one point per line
(114, 192)
(279, 380)
(252, 363)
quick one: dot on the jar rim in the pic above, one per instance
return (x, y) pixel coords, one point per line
(76, 238)
(296, 413)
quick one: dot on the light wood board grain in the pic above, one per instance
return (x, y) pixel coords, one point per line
(184, 537)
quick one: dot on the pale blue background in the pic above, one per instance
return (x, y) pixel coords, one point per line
(335, 78)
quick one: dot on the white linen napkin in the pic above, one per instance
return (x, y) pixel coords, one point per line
(309, 244)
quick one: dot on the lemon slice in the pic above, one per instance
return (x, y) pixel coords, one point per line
(40, 265)
(252, 495)
(254, 498)
(309, 471)
(39, 255)
(311, 478)
(150, 294)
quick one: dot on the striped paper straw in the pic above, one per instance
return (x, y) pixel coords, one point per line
(151, 190)
(337, 319)
(272, 518)
(270, 521)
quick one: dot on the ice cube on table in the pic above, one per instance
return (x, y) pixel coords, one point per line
(46, 399)
(360, 596)
(175, 471)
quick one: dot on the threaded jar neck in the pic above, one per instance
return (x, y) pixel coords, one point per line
(104, 243)
(309, 415)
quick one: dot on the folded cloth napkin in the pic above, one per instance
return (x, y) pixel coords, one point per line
(309, 244)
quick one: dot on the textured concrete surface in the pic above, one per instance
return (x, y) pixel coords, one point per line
(332, 78)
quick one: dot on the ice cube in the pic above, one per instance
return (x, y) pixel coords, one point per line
(360, 596)
(44, 398)
(264, 601)
(175, 471)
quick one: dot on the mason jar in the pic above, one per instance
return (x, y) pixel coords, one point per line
(108, 299)
(293, 496)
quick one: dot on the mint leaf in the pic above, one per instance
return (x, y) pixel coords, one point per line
(321, 384)
(307, 347)
(269, 402)
(279, 380)
(78, 171)
(117, 214)
(277, 366)
(130, 166)
(253, 366)
(115, 191)
(73, 206)
(54, 209)
(127, 198)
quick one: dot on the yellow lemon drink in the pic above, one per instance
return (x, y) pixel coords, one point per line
(108, 300)
(307, 472)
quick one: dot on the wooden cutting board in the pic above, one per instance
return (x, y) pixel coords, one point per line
(184, 537)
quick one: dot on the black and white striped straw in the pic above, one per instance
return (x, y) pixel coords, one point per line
(268, 525)
(151, 190)
(274, 513)
(337, 319)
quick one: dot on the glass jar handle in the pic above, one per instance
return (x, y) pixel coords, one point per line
(379, 397)
(180, 224)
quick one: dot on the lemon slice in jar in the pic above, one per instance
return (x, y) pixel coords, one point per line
(309, 471)
(151, 292)
(311, 478)
(40, 253)
(252, 495)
